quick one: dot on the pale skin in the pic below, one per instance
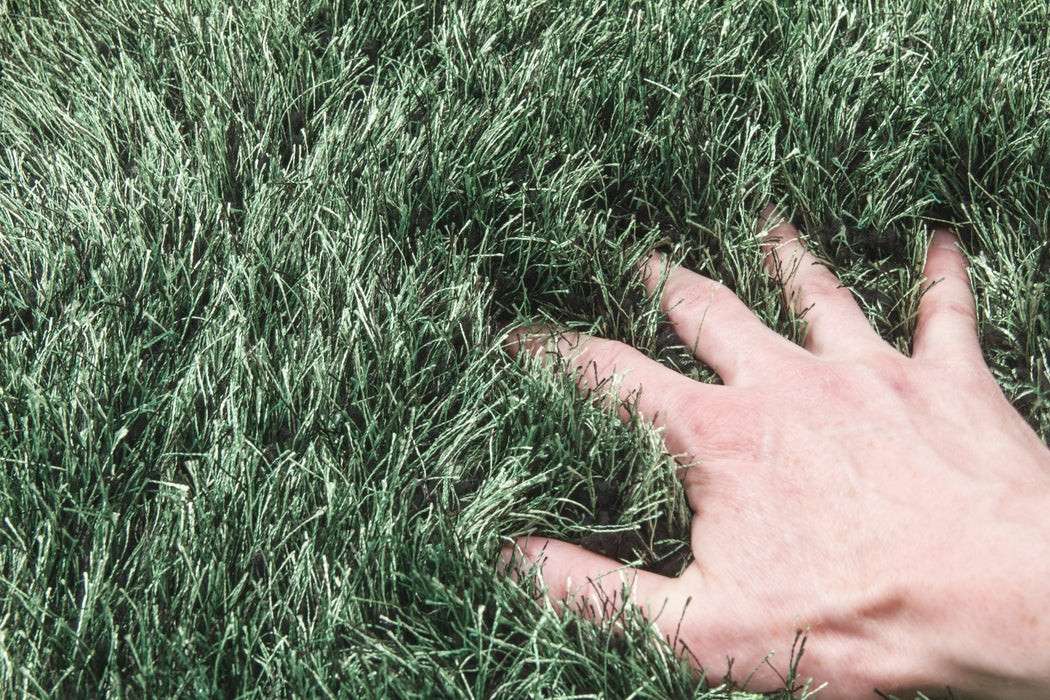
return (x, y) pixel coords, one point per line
(894, 508)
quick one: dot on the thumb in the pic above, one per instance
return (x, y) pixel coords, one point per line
(590, 584)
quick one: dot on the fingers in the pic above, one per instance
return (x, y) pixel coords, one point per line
(594, 586)
(721, 329)
(946, 326)
(696, 616)
(692, 615)
(654, 390)
(836, 323)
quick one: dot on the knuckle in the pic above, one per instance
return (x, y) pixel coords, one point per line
(722, 429)
(958, 308)
(943, 307)
(596, 362)
(893, 374)
(825, 285)
(694, 294)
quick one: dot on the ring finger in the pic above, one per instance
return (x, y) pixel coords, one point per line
(835, 321)
(636, 380)
(721, 330)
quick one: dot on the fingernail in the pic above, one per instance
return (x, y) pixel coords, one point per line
(515, 561)
(649, 268)
(521, 336)
(508, 562)
(513, 340)
(943, 238)
(769, 221)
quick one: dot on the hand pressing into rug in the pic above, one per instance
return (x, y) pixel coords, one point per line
(894, 509)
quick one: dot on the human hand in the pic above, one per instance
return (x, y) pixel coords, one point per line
(894, 509)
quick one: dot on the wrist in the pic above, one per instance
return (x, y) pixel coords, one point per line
(986, 632)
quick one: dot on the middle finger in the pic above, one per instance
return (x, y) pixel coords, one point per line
(835, 322)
